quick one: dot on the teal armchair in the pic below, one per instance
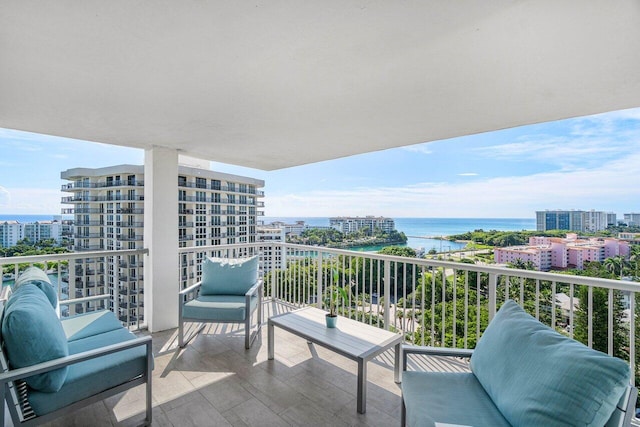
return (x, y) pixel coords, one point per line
(230, 292)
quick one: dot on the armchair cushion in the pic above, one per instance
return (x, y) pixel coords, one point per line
(33, 334)
(536, 376)
(436, 397)
(221, 308)
(222, 276)
(37, 277)
(94, 375)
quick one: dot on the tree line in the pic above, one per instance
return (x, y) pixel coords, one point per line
(330, 237)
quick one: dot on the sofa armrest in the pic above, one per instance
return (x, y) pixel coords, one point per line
(61, 362)
(190, 289)
(433, 351)
(254, 289)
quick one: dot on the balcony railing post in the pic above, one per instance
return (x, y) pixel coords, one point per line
(632, 336)
(493, 289)
(319, 279)
(387, 293)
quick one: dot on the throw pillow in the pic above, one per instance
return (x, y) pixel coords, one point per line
(536, 376)
(223, 276)
(32, 334)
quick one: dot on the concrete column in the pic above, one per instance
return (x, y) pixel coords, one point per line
(161, 267)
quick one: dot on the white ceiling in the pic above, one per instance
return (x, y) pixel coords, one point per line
(273, 84)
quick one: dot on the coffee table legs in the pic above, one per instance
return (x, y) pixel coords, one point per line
(270, 340)
(361, 398)
(362, 386)
(397, 372)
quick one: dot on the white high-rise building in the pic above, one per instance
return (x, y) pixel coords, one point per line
(11, 232)
(108, 207)
(350, 224)
(593, 221)
(274, 257)
(43, 230)
(632, 219)
(574, 220)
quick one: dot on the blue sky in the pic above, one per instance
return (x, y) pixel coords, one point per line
(585, 163)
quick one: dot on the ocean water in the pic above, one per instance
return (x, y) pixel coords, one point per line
(421, 231)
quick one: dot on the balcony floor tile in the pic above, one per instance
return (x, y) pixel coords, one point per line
(215, 381)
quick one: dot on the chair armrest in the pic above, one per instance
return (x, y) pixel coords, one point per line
(433, 351)
(61, 362)
(254, 289)
(190, 289)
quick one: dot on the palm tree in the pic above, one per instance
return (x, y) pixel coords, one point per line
(616, 265)
(520, 264)
(635, 258)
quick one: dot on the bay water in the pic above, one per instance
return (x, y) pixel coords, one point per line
(423, 232)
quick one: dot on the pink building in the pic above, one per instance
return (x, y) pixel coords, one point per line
(556, 252)
(540, 256)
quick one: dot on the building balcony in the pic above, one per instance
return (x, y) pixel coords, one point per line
(70, 211)
(134, 224)
(81, 235)
(385, 291)
(78, 198)
(88, 223)
(81, 247)
(130, 211)
(80, 185)
(127, 238)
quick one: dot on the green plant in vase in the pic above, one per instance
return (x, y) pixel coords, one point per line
(335, 295)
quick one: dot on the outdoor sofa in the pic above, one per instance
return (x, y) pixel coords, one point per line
(51, 367)
(523, 373)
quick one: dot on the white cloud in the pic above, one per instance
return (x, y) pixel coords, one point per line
(611, 186)
(591, 141)
(5, 198)
(36, 201)
(418, 148)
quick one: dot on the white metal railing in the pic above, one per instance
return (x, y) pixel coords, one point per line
(439, 303)
(88, 281)
(431, 302)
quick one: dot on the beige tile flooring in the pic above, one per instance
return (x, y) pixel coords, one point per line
(214, 381)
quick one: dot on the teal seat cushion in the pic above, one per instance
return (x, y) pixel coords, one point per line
(37, 277)
(448, 398)
(33, 334)
(536, 376)
(218, 308)
(223, 276)
(89, 324)
(95, 375)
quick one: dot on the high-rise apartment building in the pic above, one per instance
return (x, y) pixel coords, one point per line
(632, 219)
(350, 224)
(43, 230)
(10, 233)
(13, 231)
(108, 207)
(574, 220)
(274, 257)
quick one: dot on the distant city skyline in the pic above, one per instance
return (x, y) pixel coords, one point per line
(583, 164)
